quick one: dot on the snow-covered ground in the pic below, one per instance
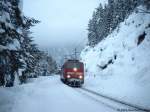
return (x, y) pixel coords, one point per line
(47, 94)
(118, 66)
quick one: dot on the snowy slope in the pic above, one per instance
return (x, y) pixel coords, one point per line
(118, 66)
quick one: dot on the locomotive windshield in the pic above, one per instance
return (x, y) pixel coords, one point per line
(73, 65)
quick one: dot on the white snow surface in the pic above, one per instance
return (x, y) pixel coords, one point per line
(20, 5)
(2, 31)
(128, 78)
(4, 15)
(103, 2)
(47, 94)
(2, 47)
(15, 45)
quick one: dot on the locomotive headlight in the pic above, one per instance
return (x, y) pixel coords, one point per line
(80, 76)
(74, 69)
(68, 76)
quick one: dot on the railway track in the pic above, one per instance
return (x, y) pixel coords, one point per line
(113, 103)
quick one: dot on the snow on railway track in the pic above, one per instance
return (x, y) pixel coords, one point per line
(111, 102)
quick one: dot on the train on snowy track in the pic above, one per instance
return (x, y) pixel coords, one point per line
(72, 73)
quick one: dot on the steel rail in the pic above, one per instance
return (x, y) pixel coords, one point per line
(136, 107)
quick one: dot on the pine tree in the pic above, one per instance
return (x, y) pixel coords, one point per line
(16, 48)
(10, 36)
(105, 20)
(93, 35)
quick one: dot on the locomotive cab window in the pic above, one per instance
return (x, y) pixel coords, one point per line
(73, 65)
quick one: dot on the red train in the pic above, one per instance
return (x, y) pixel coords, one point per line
(73, 73)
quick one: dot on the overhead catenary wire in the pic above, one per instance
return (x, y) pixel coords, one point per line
(80, 42)
(74, 50)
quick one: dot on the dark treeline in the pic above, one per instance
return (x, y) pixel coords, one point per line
(106, 19)
(19, 56)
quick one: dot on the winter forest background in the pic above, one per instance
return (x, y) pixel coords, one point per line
(20, 57)
(106, 19)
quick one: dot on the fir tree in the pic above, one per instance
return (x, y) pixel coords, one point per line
(106, 19)
(17, 50)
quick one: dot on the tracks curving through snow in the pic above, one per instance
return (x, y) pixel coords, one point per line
(111, 102)
(48, 94)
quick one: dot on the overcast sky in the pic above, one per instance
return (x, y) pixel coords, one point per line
(63, 22)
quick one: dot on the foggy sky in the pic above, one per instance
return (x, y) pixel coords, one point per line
(63, 22)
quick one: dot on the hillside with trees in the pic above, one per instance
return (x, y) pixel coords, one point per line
(106, 18)
(117, 57)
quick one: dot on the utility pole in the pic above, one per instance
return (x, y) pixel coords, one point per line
(72, 56)
(75, 53)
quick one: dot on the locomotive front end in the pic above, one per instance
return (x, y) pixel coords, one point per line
(73, 73)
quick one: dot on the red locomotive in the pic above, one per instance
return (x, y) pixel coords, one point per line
(73, 73)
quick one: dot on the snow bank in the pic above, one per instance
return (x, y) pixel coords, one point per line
(119, 65)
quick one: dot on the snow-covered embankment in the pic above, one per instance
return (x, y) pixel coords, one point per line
(119, 66)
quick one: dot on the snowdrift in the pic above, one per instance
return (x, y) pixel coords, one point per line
(119, 66)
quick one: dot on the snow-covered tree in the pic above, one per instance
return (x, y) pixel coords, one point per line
(47, 65)
(19, 56)
(11, 24)
(105, 19)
